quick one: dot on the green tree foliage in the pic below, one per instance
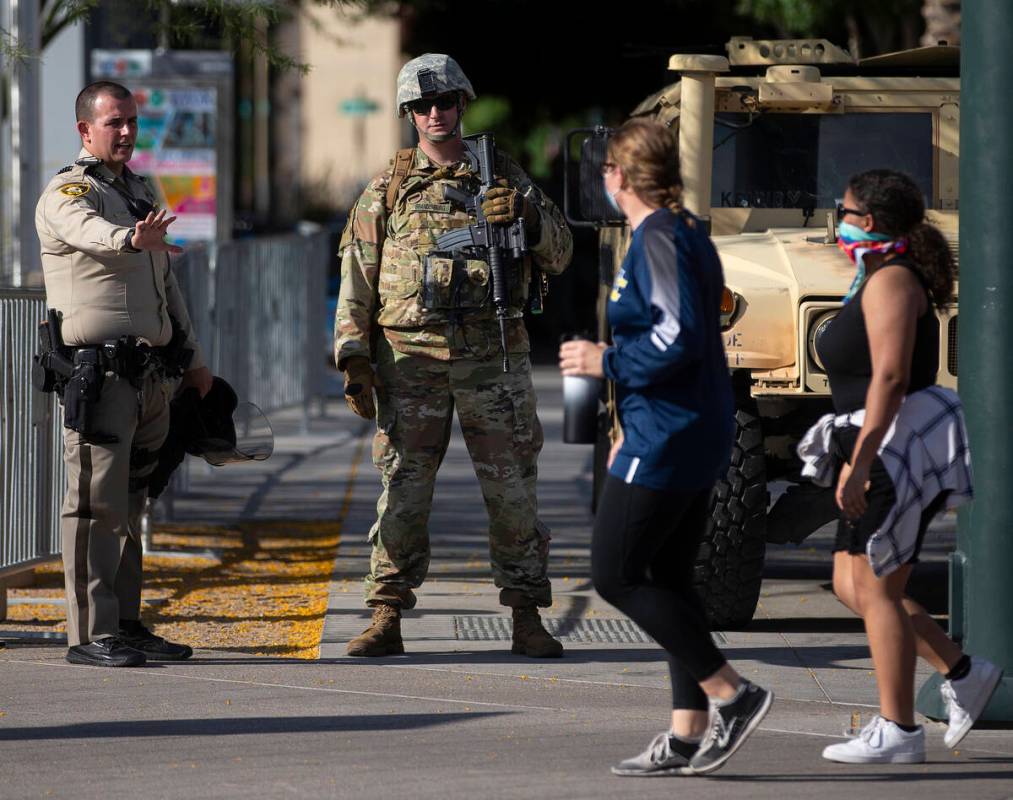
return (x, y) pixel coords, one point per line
(183, 23)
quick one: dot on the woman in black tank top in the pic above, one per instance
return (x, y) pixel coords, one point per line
(844, 347)
(882, 346)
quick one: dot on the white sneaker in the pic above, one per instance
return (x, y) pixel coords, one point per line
(880, 742)
(966, 699)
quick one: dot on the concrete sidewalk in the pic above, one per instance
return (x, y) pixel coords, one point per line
(458, 716)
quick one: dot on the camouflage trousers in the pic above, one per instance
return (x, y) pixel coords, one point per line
(496, 410)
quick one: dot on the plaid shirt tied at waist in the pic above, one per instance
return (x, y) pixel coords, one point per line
(925, 452)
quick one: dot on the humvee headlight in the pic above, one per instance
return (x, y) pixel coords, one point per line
(729, 305)
(816, 330)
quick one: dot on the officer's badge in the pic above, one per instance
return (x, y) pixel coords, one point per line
(74, 189)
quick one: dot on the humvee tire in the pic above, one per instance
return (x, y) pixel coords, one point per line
(729, 564)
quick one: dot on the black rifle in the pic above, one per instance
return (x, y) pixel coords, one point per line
(490, 240)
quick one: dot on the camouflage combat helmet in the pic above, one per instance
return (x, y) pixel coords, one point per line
(430, 75)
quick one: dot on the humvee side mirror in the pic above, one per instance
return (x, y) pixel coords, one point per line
(590, 208)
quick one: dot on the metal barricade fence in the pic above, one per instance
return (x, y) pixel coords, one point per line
(258, 308)
(267, 324)
(31, 444)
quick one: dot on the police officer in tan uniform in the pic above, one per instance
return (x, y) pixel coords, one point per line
(107, 274)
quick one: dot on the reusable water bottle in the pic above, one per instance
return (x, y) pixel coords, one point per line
(581, 394)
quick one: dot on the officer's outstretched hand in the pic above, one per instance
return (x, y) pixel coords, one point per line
(149, 234)
(503, 204)
(359, 380)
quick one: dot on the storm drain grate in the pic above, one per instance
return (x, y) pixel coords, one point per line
(618, 631)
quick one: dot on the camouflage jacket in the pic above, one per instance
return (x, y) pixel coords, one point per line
(383, 260)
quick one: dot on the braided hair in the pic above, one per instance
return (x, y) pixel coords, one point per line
(897, 208)
(648, 154)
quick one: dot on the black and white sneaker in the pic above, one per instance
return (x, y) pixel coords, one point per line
(659, 759)
(731, 725)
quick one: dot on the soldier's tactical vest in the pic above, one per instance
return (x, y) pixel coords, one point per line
(418, 287)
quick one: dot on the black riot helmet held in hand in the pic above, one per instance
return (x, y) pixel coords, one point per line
(217, 427)
(212, 429)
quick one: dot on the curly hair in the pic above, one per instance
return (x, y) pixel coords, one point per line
(648, 154)
(897, 208)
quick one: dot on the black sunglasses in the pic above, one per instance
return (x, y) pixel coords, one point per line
(842, 210)
(442, 102)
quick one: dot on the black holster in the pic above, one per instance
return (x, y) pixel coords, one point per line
(53, 365)
(82, 394)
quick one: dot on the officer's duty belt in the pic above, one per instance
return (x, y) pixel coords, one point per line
(127, 358)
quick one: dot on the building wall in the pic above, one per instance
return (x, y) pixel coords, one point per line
(63, 77)
(350, 59)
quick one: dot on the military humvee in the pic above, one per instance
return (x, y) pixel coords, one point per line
(768, 138)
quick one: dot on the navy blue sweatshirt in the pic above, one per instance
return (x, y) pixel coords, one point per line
(668, 361)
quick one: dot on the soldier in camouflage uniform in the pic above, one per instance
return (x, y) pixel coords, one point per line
(423, 360)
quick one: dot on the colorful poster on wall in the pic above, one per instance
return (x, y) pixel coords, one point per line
(176, 152)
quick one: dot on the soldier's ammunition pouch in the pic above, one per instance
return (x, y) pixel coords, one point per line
(454, 284)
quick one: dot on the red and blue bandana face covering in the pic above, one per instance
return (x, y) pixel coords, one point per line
(855, 243)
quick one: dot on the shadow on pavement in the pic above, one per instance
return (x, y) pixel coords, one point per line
(459, 658)
(917, 775)
(232, 726)
(806, 625)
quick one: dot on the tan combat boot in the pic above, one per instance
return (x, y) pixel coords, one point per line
(382, 637)
(530, 637)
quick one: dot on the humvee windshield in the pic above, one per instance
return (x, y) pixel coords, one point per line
(804, 160)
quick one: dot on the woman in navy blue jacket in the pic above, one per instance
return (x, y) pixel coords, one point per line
(677, 415)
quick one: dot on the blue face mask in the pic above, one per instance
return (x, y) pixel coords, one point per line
(850, 234)
(610, 198)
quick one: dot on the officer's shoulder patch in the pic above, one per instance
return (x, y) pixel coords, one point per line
(74, 189)
(67, 168)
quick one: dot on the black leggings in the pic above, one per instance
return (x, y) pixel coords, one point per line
(642, 555)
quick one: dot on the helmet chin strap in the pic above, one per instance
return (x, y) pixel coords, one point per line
(437, 138)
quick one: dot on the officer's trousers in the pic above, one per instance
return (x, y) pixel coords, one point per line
(501, 429)
(106, 490)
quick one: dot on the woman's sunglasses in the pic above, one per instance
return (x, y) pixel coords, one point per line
(843, 210)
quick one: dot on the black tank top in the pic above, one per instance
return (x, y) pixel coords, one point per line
(844, 350)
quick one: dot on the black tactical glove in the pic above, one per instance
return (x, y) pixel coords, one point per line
(359, 380)
(503, 205)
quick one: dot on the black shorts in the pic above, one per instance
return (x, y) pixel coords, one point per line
(853, 535)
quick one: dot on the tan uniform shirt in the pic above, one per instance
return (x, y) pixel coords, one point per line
(104, 288)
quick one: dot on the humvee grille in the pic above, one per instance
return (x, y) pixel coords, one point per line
(951, 345)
